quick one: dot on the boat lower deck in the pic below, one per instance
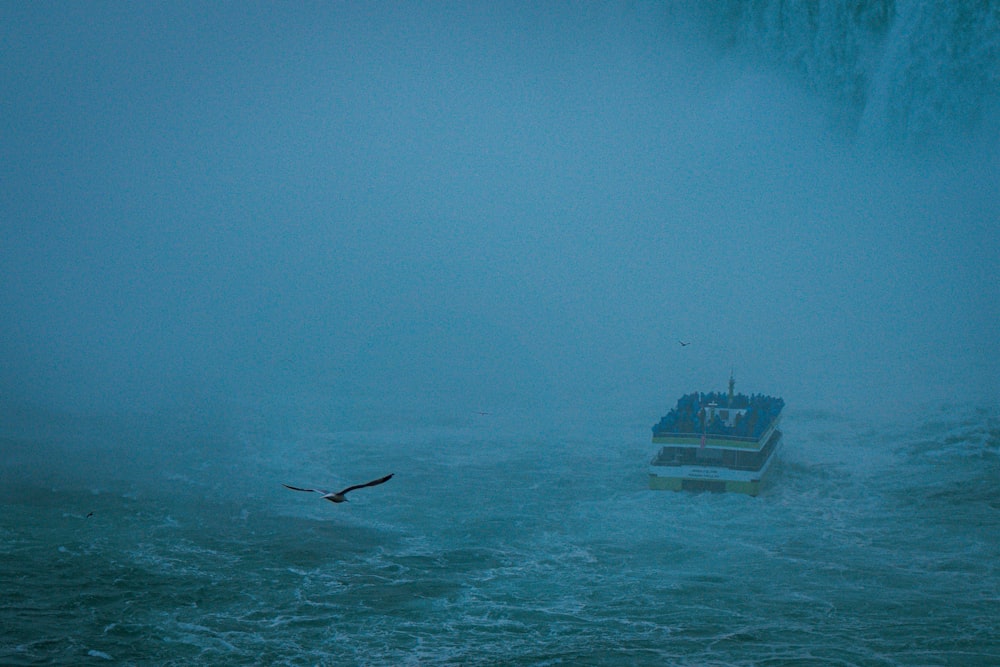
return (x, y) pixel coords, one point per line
(679, 469)
(716, 456)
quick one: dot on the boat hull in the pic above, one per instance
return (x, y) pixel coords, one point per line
(659, 483)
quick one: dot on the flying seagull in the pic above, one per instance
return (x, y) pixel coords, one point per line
(338, 497)
(683, 344)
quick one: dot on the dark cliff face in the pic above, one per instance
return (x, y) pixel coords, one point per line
(903, 72)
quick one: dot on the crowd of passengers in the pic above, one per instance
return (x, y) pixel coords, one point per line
(689, 417)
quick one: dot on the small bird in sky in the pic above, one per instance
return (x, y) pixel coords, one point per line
(90, 514)
(683, 344)
(338, 497)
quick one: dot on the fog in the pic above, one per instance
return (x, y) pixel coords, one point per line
(459, 207)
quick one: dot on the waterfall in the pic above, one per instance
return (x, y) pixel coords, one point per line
(912, 72)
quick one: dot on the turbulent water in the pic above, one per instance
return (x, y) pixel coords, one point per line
(496, 543)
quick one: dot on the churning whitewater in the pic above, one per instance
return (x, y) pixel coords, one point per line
(872, 544)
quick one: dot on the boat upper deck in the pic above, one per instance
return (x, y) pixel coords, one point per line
(728, 420)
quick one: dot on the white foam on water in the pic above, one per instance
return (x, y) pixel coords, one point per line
(541, 554)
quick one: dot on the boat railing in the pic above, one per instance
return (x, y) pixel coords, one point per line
(721, 437)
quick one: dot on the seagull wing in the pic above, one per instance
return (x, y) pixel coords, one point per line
(295, 488)
(376, 482)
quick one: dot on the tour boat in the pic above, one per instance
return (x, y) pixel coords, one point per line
(716, 442)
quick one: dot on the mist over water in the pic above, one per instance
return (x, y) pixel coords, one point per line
(248, 245)
(488, 203)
